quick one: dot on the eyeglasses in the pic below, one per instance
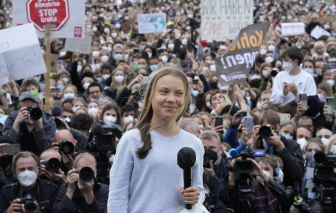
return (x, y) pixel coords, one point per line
(326, 136)
(93, 92)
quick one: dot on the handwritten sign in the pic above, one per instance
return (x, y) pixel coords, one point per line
(292, 29)
(152, 23)
(225, 18)
(75, 21)
(318, 32)
(20, 53)
(81, 45)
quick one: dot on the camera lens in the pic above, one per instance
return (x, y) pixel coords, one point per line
(326, 173)
(265, 132)
(86, 174)
(35, 113)
(30, 206)
(53, 164)
(105, 142)
(67, 147)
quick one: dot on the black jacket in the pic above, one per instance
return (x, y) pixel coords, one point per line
(45, 194)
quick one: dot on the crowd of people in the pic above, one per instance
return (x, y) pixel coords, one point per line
(127, 78)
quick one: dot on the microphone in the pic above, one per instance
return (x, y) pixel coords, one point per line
(56, 111)
(97, 129)
(186, 159)
(233, 153)
(319, 157)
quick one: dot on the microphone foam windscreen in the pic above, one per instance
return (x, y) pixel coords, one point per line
(97, 129)
(186, 158)
(233, 153)
(56, 111)
(319, 156)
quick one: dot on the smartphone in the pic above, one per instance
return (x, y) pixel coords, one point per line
(330, 104)
(219, 121)
(284, 118)
(195, 81)
(303, 101)
(243, 114)
(43, 101)
(54, 90)
(104, 102)
(329, 66)
(136, 50)
(11, 149)
(248, 123)
(144, 80)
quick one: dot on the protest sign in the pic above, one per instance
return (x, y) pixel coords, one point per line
(81, 45)
(292, 29)
(318, 32)
(20, 53)
(225, 18)
(152, 23)
(67, 17)
(234, 66)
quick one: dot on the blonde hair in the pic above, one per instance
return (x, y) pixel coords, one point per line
(72, 86)
(331, 143)
(113, 83)
(87, 157)
(147, 113)
(319, 44)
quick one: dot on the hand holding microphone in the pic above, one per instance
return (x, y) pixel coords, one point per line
(186, 158)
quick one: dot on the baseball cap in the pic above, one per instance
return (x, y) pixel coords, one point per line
(29, 95)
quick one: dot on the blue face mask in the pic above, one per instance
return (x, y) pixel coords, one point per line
(99, 100)
(288, 137)
(142, 47)
(153, 67)
(272, 80)
(194, 92)
(166, 40)
(61, 86)
(332, 59)
(243, 92)
(117, 56)
(69, 95)
(264, 73)
(225, 130)
(308, 70)
(249, 102)
(237, 105)
(333, 34)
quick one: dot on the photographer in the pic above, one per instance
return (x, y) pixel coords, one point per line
(81, 196)
(51, 170)
(32, 135)
(38, 191)
(269, 196)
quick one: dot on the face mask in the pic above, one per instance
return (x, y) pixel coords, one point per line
(267, 173)
(119, 78)
(117, 56)
(86, 86)
(287, 66)
(192, 108)
(164, 59)
(66, 80)
(280, 177)
(227, 154)
(94, 29)
(184, 41)
(271, 47)
(303, 143)
(126, 56)
(104, 58)
(67, 119)
(325, 141)
(106, 76)
(243, 92)
(62, 54)
(194, 92)
(333, 34)
(171, 46)
(93, 111)
(331, 82)
(114, 35)
(213, 67)
(208, 61)
(208, 104)
(118, 26)
(99, 80)
(326, 27)
(95, 54)
(288, 137)
(188, 28)
(205, 68)
(278, 29)
(308, 70)
(27, 178)
(166, 40)
(149, 54)
(269, 59)
(263, 52)
(75, 108)
(332, 60)
(153, 67)
(61, 86)
(264, 72)
(109, 120)
(255, 77)
(142, 47)
(37, 78)
(109, 49)
(260, 104)
(69, 95)
(106, 30)
(128, 119)
(79, 68)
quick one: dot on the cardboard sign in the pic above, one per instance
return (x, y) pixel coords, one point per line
(292, 29)
(72, 24)
(221, 18)
(152, 23)
(235, 65)
(318, 32)
(20, 53)
(81, 45)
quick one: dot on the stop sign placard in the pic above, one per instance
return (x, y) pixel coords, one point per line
(41, 12)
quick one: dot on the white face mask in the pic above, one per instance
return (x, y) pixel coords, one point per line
(208, 61)
(184, 41)
(269, 59)
(281, 176)
(106, 76)
(287, 66)
(213, 67)
(104, 58)
(66, 80)
(164, 59)
(171, 46)
(331, 82)
(37, 78)
(126, 56)
(118, 26)
(99, 79)
(93, 111)
(67, 119)
(27, 178)
(208, 104)
(325, 141)
(106, 30)
(271, 47)
(128, 119)
(63, 53)
(79, 68)
(192, 108)
(109, 120)
(114, 35)
(267, 173)
(263, 52)
(95, 54)
(303, 143)
(119, 78)
(149, 54)
(75, 108)
(260, 104)
(86, 85)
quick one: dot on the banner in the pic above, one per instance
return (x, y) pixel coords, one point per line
(225, 18)
(72, 25)
(292, 29)
(152, 23)
(20, 53)
(318, 32)
(81, 45)
(235, 65)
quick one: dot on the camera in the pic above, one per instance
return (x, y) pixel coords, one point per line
(66, 147)
(324, 170)
(29, 203)
(209, 156)
(85, 174)
(34, 112)
(265, 131)
(53, 164)
(244, 166)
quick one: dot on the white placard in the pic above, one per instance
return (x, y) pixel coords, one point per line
(292, 29)
(81, 45)
(318, 32)
(152, 23)
(20, 53)
(224, 18)
(74, 25)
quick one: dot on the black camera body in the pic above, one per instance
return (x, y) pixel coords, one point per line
(209, 156)
(265, 132)
(85, 174)
(29, 203)
(53, 164)
(34, 112)
(244, 166)
(66, 147)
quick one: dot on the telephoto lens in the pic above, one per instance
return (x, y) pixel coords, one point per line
(35, 113)
(265, 132)
(85, 174)
(53, 164)
(66, 147)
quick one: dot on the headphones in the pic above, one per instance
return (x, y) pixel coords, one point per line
(276, 170)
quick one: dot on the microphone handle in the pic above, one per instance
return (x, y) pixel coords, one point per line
(187, 176)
